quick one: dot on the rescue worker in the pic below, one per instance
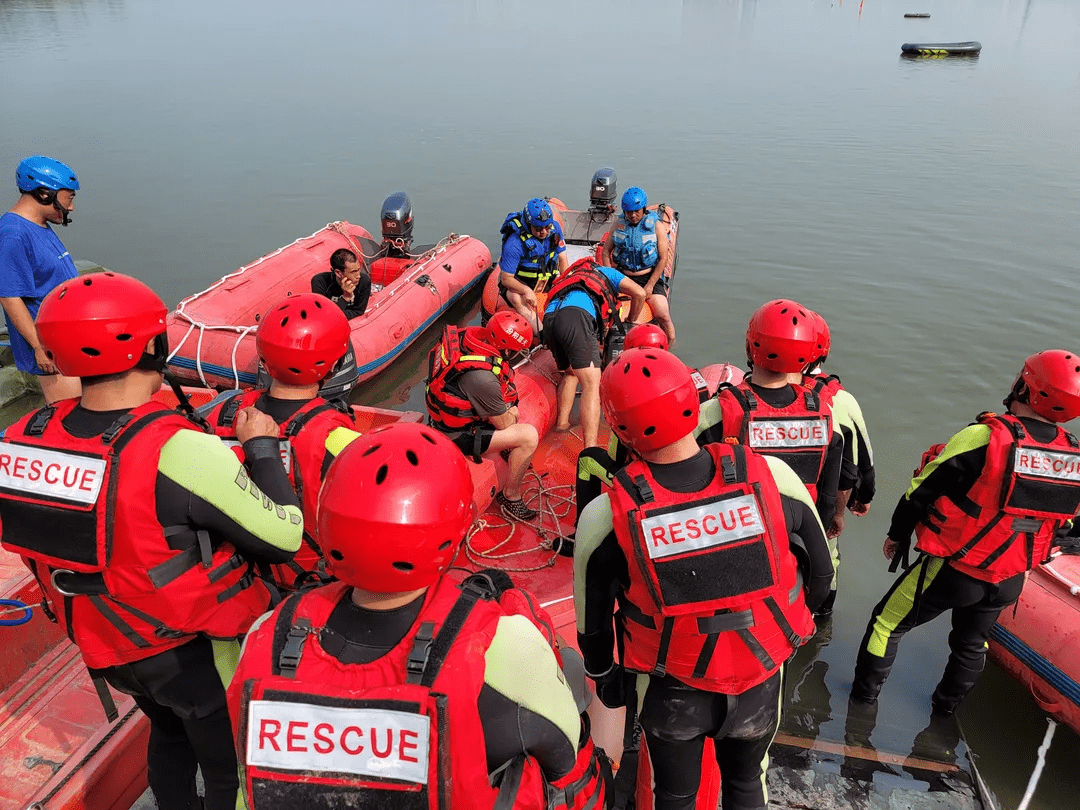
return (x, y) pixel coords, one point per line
(985, 509)
(639, 246)
(583, 305)
(533, 253)
(33, 261)
(471, 397)
(400, 684)
(300, 342)
(142, 530)
(702, 551)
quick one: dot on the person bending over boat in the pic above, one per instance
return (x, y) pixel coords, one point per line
(471, 397)
(582, 306)
(703, 550)
(792, 422)
(346, 283)
(400, 685)
(142, 530)
(33, 261)
(533, 253)
(639, 246)
(300, 342)
(985, 508)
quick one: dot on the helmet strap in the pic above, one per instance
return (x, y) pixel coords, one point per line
(46, 196)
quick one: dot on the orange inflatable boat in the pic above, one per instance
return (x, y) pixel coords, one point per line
(212, 333)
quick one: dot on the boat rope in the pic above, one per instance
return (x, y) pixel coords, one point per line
(1074, 588)
(15, 606)
(552, 504)
(424, 262)
(1035, 774)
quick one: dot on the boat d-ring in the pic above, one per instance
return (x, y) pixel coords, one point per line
(55, 584)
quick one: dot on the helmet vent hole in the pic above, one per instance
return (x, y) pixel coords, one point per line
(428, 438)
(1057, 408)
(49, 354)
(687, 413)
(772, 355)
(124, 336)
(412, 457)
(87, 282)
(285, 320)
(320, 362)
(295, 370)
(380, 474)
(318, 304)
(92, 352)
(1044, 394)
(303, 314)
(372, 449)
(63, 292)
(622, 427)
(336, 555)
(650, 430)
(444, 545)
(646, 372)
(401, 565)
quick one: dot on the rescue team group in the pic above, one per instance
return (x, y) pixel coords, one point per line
(393, 681)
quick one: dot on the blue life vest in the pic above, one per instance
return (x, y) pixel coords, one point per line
(539, 258)
(634, 246)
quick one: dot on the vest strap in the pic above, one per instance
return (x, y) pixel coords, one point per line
(228, 412)
(420, 653)
(36, 426)
(758, 651)
(660, 670)
(288, 661)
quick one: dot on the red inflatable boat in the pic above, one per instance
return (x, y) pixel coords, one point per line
(212, 333)
(1039, 642)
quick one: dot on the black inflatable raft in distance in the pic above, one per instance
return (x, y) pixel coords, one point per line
(941, 48)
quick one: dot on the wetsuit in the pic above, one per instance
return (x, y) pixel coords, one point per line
(326, 284)
(675, 717)
(858, 461)
(931, 585)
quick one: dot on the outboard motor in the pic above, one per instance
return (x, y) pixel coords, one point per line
(602, 191)
(397, 225)
(614, 341)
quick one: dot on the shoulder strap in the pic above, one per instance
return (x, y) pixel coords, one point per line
(299, 420)
(288, 643)
(36, 425)
(637, 487)
(127, 427)
(229, 409)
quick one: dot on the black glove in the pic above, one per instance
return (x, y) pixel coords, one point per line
(611, 688)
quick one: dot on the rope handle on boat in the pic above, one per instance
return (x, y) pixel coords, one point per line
(15, 606)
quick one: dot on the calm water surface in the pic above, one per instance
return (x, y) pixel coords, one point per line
(926, 207)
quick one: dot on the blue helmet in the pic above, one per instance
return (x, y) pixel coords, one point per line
(538, 213)
(38, 171)
(634, 199)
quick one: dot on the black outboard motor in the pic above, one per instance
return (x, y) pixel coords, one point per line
(397, 225)
(602, 191)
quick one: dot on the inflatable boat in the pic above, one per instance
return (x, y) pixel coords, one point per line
(1038, 643)
(941, 49)
(585, 233)
(212, 333)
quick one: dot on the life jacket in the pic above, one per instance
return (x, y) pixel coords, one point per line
(583, 275)
(701, 384)
(798, 435)
(633, 247)
(539, 257)
(715, 596)
(1005, 524)
(82, 514)
(303, 453)
(400, 731)
(448, 408)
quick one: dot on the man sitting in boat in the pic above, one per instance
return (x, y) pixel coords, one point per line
(582, 306)
(638, 245)
(401, 685)
(533, 252)
(471, 397)
(300, 342)
(141, 529)
(722, 560)
(346, 283)
(985, 509)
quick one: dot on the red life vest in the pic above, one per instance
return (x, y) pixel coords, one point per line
(400, 731)
(715, 596)
(584, 276)
(303, 452)
(82, 514)
(1006, 523)
(798, 435)
(448, 408)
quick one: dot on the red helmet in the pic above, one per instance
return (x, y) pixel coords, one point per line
(508, 331)
(649, 399)
(781, 336)
(302, 338)
(99, 323)
(394, 508)
(646, 336)
(823, 342)
(1053, 381)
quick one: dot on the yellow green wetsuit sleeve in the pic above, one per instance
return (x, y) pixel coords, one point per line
(201, 483)
(804, 522)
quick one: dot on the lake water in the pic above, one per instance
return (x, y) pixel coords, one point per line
(926, 207)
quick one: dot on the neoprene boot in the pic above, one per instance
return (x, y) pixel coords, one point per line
(955, 684)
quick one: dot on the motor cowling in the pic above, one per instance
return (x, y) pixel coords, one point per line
(602, 190)
(397, 220)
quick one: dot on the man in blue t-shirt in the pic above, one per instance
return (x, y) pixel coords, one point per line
(33, 261)
(533, 253)
(582, 307)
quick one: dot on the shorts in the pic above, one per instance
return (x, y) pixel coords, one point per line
(570, 333)
(662, 286)
(473, 442)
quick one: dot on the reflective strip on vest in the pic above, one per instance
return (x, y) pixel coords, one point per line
(1043, 464)
(68, 477)
(719, 521)
(771, 434)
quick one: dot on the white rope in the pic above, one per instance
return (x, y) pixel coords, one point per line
(1035, 774)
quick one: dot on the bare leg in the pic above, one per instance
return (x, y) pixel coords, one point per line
(589, 408)
(564, 398)
(662, 313)
(521, 439)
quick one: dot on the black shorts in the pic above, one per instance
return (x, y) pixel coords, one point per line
(662, 286)
(570, 333)
(474, 442)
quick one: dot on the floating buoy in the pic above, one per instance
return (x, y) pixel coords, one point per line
(941, 49)
(921, 15)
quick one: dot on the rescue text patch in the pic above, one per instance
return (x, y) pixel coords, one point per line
(701, 526)
(53, 473)
(775, 433)
(1045, 464)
